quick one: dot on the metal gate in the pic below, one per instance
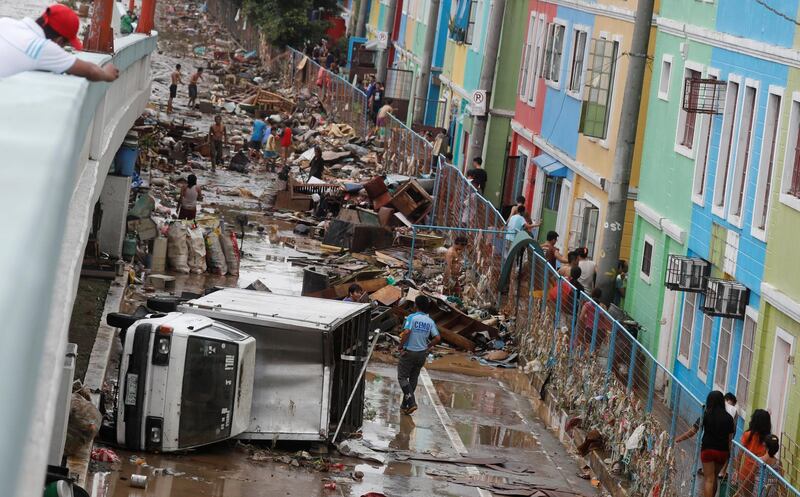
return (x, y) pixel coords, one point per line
(398, 88)
(351, 345)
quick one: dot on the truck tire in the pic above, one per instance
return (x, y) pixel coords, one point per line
(164, 304)
(120, 320)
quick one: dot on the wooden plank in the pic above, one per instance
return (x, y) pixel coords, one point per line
(387, 295)
(340, 291)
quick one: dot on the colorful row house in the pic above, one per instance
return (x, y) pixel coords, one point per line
(709, 280)
(407, 46)
(573, 69)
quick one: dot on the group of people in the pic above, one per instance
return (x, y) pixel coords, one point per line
(176, 78)
(269, 139)
(718, 423)
(378, 105)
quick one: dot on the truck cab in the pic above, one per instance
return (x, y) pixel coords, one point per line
(184, 381)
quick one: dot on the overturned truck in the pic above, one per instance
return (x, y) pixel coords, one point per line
(241, 363)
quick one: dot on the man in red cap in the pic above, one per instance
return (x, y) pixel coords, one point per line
(28, 45)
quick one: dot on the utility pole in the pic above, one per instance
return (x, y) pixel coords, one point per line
(623, 155)
(420, 102)
(383, 57)
(361, 26)
(493, 32)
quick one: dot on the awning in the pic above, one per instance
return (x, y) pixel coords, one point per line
(550, 166)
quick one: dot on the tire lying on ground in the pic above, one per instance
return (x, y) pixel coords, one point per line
(164, 304)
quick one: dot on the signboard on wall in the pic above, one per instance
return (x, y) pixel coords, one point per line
(383, 40)
(477, 104)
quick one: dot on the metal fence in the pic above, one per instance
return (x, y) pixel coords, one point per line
(590, 363)
(406, 152)
(599, 373)
(343, 102)
(480, 272)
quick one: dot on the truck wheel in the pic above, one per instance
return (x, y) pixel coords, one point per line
(164, 304)
(120, 320)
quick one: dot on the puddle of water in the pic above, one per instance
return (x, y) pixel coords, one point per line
(474, 435)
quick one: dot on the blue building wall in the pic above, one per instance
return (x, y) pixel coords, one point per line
(752, 21)
(562, 112)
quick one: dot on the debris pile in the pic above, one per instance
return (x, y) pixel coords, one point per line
(323, 211)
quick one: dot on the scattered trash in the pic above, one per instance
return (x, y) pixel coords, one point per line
(104, 455)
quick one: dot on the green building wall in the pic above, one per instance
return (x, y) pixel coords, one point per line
(504, 97)
(665, 185)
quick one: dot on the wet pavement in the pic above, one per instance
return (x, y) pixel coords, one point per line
(458, 415)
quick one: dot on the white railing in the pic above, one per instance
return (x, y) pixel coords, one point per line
(58, 137)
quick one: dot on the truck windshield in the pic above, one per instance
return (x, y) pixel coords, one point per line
(209, 389)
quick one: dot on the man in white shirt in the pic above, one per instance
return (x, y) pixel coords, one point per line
(588, 269)
(28, 45)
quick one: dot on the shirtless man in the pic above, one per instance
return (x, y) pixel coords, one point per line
(173, 88)
(217, 138)
(454, 259)
(196, 77)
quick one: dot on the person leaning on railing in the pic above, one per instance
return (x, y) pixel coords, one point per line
(28, 45)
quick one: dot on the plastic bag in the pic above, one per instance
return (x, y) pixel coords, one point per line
(197, 251)
(214, 254)
(84, 423)
(177, 248)
(230, 247)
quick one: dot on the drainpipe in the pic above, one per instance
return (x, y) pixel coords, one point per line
(383, 57)
(427, 61)
(361, 26)
(493, 32)
(100, 37)
(623, 155)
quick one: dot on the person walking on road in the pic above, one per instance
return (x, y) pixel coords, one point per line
(715, 446)
(175, 80)
(190, 195)
(418, 338)
(754, 440)
(196, 77)
(28, 45)
(286, 143)
(217, 138)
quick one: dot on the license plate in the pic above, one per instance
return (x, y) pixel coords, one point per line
(131, 388)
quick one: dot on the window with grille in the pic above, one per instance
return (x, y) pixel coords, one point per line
(578, 55)
(770, 139)
(743, 152)
(473, 9)
(647, 258)
(726, 142)
(723, 355)
(600, 82)
(527, 52)
(553, 51)
(583, 231)
(745, 362)
(794, 149)
(666, 75)
(552, 193)
(687, 327)
(687, 118)
(705, 346)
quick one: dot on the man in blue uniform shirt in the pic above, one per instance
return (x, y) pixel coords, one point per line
(418, 338)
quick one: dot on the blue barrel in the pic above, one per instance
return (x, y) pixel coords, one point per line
(125, 160)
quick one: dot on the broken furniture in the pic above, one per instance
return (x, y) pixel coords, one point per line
(412, 201)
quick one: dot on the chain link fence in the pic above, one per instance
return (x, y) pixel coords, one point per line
(343, 102)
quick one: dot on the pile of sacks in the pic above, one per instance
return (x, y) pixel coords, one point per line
(192, 249)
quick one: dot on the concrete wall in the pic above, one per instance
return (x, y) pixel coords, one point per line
(51, 187)
(114, 201)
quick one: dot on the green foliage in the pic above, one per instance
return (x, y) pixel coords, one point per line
(288, 22)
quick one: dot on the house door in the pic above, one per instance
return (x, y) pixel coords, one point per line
(550, 202)
(779, 379)
(665, 341)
